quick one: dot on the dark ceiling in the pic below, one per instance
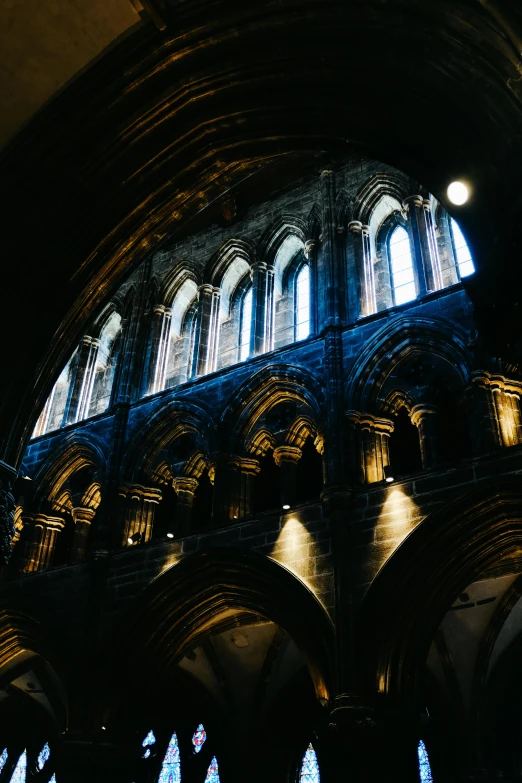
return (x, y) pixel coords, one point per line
(244, 96)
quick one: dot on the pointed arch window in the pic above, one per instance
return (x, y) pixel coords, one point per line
(460, 246)
(424, 764)
(18, 775)
(213, 772)
(44, 755)
(3, 759)
(302, 303)
(245, 329)
(309, 772)
(401, 263)
(171, 767)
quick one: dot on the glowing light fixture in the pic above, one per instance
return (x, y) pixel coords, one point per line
(458, 193)
(286, 506)
(388, 473)
(170, 535)
(134, 539)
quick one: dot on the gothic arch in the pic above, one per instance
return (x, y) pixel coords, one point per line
(162, 428)
(405, 604)
(220, 261)
(115, 306)
(394, 184)
(180, 273)
(182, 605)
(286, 225)
(402, 337)
(74, 453)
(262, 392)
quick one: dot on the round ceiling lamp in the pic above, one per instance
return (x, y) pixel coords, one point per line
(458, 193)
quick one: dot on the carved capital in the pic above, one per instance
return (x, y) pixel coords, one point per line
(246, 465)
(420, 412)
(85, 515)
(287, 454)
(310, 247)
(355, 226)
(184, 485)
(369, 422)
(412, 201)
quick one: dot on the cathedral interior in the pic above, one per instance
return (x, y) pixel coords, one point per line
(260, 410)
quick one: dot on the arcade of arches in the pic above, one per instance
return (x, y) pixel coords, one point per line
(261, 433)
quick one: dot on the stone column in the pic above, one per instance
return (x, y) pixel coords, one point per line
(370, 452)
(160, 336)
(436, 267)
(42, 541)
(424, 417)
(483, 405)
(7, 511)
(139, 506)
(262, 308)
(81, 387)
(422, 245)
(243, 472)
(330, 265)
(82, 518)
(286, 458)
(361, 283)
(185, 489)
(207, 329)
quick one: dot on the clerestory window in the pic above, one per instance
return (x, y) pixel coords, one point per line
(245, 329)
(302, 303)
(460, 246)
(401, 263)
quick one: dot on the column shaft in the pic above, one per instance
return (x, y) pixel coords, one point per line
(263, 308)
(425, 419)
(330, 262)
(423, 246)
(160, 336)
(81, 387)
(207, 330)
(82, 518)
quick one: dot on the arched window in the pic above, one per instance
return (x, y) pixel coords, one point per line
(302, 303)
(171, 767)
(3, 759)
(44, 755)
(245, 328)
(18, 775)
(105, 368)
(309, 772)
(424, 764)
(460, 246)
(401, 264)
(212, 772)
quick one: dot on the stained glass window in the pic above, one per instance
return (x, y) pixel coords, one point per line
(424, 764)
(18, 775)
(246, 325)
(402, 266)
(464, 260)
(171, 768)
(44, 755)
(150, 739)
(212, 772)
(302, 303)
(309, 767)
(53, 779)
(3, 759)
(198, 740)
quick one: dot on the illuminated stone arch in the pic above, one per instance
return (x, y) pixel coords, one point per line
(424, 576)
(392, 185)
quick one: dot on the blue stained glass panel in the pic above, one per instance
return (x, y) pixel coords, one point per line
(53, 779)
(309, 767)
(44, 755)
(150, 739)
(18, 775)
(3, 759)
(198, 740)
(171, 768)
(424, 764)
(212, 772)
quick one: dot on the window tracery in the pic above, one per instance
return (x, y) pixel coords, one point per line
(424, 764)
(199, 737)
(43, 756)
(309, 772)
(19, 773)
(171, 767)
